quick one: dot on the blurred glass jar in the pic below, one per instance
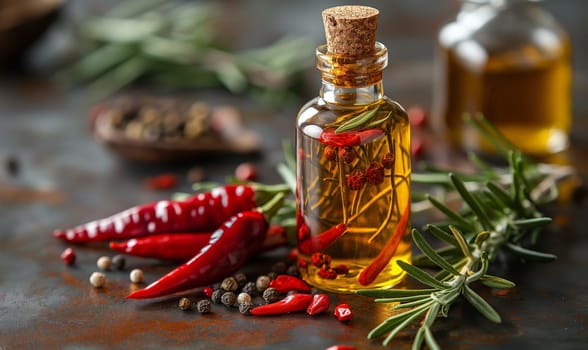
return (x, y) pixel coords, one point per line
(510, 61)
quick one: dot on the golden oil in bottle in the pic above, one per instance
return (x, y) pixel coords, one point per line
(513, 67)
(353, 168)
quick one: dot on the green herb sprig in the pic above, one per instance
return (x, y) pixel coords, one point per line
(176, 45)
(499, 210)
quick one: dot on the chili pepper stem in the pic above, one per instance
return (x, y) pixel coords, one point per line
(271, 207)
(265, 192)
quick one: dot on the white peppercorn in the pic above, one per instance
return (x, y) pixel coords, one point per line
(185, 304)
(243, 297)
(262, 283)
(103, 263)
(136, 276)
(229, 284)
(97, 279)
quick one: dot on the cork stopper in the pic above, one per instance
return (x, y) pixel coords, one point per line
(351, 30)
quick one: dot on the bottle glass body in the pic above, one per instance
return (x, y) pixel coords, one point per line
(510, 61)
(353, 178)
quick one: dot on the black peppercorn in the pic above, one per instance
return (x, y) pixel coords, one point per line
(271, 295)
(315, 291)
(228, 298)
(118, 262)
(279, 267)
(250, 289)
(272, 275)
(245, 307)
(216, 296)
(241, 279)
(293, 270)
(229, 284)
(204, 306)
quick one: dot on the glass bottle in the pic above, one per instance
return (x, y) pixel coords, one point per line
(510, 61)
(353, 166)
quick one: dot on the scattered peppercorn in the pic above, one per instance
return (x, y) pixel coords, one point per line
(348, 155)
(119, 262)
(388, 160)
(228, 298)
(185, 304)
(343, 312)
(208, 291)
(250, 289)
(229, 284)
(12, 165)
(246, 172)
(356, 180)
(375, 173)
(104, 263)
(136, 276)
(292, 270)
(279, 267)
(245, 307)
(97, 279)
(272, 275)
(68, 256)
(217, 296)
(262, 283)
(241, 279)
(271, 295)
(243, 297)
(204, 306)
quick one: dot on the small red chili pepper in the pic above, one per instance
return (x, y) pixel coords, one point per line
(68, 256)
(320, 303)
(208, 291)
(286, 283)
(341, 347)
(162, 182)
(343, 312)
(291, 303)
(348, 138)
(202, 212)
(369, 274)
(228, 249)
(321, 241)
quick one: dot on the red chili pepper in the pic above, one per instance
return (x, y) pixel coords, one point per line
(369, 274)
(201, 212)
(175, 246)
(228, 249)
(184, 246)
(321, 241)
(286, 283)
(320, 303)
(161, 182)
(348, 138)
(291, 303)
(343, 312)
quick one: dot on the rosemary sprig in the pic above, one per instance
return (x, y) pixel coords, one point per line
(500, 210)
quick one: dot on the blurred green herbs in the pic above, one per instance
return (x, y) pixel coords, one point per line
(175, 45)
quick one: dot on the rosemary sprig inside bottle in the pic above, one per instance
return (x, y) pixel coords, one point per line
(500, 211)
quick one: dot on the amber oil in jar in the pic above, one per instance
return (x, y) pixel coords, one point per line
(353, 170)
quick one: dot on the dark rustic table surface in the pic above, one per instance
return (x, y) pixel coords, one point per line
(62, 177)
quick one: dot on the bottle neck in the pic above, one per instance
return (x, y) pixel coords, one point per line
(332, 93)
(351, 79)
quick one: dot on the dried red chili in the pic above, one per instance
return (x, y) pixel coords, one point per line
(375, 173)
(228, 249)
(343, 312)
(369, 274)
(175, 246)
(292, 303)
(330, 153)
(341, 347)
(321, 241)
(201, 212)
(286, 283)
(320, 303)
(388, 160)
(356, 180)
